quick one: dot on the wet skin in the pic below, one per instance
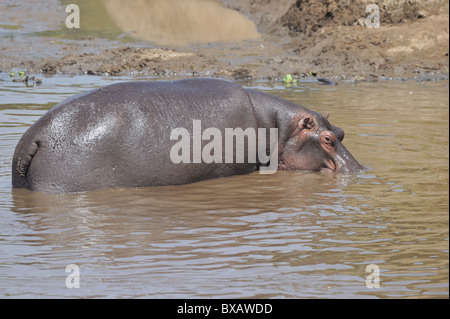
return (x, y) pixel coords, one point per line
(118, 136)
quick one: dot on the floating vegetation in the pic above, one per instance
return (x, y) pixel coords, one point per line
(10, 27)
(288, 79)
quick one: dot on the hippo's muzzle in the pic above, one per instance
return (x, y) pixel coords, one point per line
(344, 160)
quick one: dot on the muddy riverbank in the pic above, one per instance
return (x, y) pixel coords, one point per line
(265, 40)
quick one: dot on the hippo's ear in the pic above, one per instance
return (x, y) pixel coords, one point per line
(306, 123)
(338, 132)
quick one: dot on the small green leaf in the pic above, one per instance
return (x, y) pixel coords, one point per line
(287, 78)
(11, 74)
(21, 74)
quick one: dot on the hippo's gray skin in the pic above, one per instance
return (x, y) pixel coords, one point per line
(119, 136)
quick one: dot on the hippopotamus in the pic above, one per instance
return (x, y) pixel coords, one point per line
(122, 135)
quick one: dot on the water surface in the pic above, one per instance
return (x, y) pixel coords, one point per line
(287, 235)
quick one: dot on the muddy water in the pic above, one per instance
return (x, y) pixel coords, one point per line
(292, 234)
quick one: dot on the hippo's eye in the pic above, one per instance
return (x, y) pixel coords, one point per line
(328, 138)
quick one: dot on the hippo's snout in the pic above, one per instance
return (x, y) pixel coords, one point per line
(344, 160)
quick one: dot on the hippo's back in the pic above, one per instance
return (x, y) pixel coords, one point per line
(119, 136)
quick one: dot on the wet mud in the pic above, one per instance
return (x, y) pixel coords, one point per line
(232, 39)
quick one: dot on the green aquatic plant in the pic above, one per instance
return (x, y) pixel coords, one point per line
(10, 27)
(288, 79)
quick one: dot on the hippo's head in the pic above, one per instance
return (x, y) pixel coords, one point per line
(316, 145)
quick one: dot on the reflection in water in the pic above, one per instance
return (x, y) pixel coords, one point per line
(291, 234)
(252, 224)
(174, 22)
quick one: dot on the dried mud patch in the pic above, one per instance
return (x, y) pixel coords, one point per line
(392, 51)
(128, 60)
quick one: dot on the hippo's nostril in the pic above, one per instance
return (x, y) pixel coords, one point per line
(345, 161)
